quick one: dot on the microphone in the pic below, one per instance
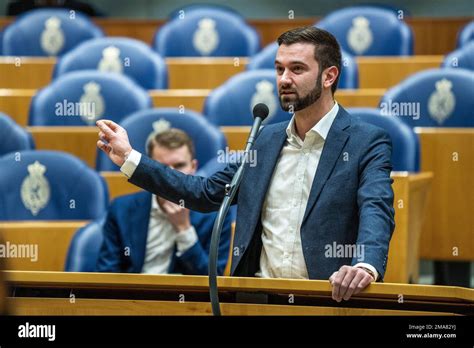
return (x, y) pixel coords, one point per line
(260, 112)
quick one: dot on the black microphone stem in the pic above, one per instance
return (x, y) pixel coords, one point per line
(230, 191)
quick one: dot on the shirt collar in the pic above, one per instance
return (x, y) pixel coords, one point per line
(322, 127)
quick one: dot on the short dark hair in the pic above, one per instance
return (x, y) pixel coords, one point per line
(327, 51)
(171, 139)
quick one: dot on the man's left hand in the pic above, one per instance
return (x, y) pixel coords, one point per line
(349, 281)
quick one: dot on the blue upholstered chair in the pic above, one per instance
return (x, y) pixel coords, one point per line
(13, 138)
(85, 246)
(47, 32)
(433, 98)
(49, 185)
(207, 32)
(130, 57)
(80, 98)
(466, 34)
(369, 31)
(405, 144)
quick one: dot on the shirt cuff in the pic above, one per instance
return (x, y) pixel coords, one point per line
(369, 267)
(185, 240)
(131, 163)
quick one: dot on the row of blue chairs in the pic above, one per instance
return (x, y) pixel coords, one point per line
(81, 97)
(212, 31)
(148, 69)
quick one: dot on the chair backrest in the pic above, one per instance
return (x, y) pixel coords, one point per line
(140, 126)
(461, 58)
(231, 104)
(207, 33)
(49, 185)
(81, 97)
(130, 57)
(466, 34)
(13, 138)
(433, 98)
(369, 31)
(85, 246)
(349, 77)
(47, 32)
(405, 144)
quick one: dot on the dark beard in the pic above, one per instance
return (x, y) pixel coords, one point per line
(302, 103)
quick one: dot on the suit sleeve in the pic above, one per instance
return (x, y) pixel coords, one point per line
(196, 192)
(196, 259)
(375, 202)
(111, 250)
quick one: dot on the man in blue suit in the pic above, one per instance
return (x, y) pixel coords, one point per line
(319, 203)
(144, 233)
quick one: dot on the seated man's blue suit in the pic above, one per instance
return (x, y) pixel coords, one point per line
(126, 225)
(351, 198)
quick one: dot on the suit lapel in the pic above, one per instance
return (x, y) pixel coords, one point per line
(139, 220)
(333, 146)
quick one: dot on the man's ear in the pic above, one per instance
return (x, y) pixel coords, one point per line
(194, 164)
(329, 76)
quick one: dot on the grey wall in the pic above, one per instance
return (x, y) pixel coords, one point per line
(261, 9)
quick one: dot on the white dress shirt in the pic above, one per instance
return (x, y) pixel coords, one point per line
(161, 241)
(286, 200)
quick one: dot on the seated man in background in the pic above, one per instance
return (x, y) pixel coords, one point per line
(144, 233)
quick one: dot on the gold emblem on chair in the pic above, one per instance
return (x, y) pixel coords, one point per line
(52, 37)
(92, 103)
(159, 126)
(441, 102)
(359, 35)
(206, 38)
(264, 94)
(35, 191)
(110, 61)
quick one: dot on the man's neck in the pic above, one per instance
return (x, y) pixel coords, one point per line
(307, 118)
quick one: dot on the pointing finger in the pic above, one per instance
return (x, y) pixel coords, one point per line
(105, 129)
(112, 125)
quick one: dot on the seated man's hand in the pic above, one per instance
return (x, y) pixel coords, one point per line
(113, 141)
(349, 281)
(177, 215)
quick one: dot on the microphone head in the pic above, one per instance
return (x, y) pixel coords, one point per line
(260, 110)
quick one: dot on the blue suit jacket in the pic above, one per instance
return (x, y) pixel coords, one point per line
(126, 225)
(350, 203)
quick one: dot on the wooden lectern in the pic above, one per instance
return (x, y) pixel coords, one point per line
(59, 293)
